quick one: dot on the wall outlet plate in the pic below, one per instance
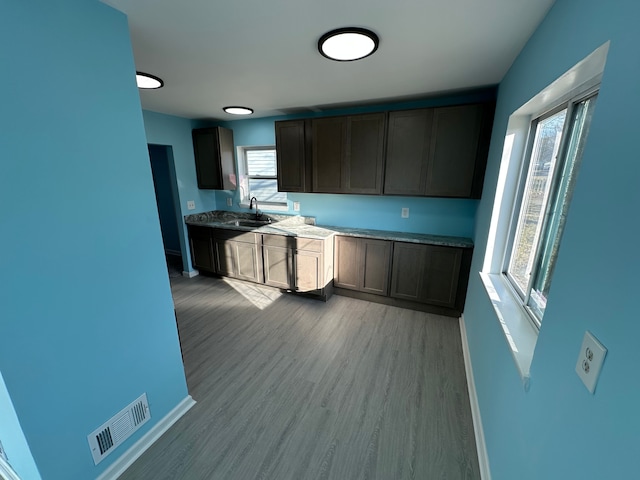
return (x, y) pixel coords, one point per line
(405, 213)
(296, 206)
(229, 202)
(590, 361)
(191, 205)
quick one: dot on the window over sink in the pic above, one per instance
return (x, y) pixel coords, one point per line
(259, 177)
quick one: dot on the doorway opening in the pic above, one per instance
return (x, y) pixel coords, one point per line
(167, 199)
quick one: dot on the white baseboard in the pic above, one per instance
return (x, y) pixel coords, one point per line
(483, 458)
(191, 274)
(137, 449)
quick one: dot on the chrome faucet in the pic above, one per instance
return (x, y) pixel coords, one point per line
(258, 214)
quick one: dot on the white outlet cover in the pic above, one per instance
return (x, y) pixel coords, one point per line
(405, 213)
(590, 360)
(296, 206)
(191, 205)
(229, 201)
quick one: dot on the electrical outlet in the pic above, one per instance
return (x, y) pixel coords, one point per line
(590, 361)
(3, 454)
(229, 202)
(296, 206)
(191, 205)
(405, 213)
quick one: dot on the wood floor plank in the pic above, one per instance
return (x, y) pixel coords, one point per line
(293, 388)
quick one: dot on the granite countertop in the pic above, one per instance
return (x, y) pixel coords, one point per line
(298, 226)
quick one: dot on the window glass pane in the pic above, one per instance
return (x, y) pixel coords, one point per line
(541, 167)
(266, 190)
(559, 205)
(261, 163)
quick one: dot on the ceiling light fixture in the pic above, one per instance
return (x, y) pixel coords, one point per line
(348, 44)
(238, 110)
(148, 82)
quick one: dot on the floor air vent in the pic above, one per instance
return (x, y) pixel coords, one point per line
(107, 437)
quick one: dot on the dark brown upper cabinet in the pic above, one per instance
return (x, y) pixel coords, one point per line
(347, 154)
(215, 162)
(438, 152)
(294, 169)
(408, 143)
(458, 152)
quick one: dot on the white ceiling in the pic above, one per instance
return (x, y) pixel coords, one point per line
(263, 53)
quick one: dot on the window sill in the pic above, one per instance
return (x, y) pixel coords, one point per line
(268, 208)
(520, 334)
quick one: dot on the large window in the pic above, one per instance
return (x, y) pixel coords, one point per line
(259, 177)
(556, 142)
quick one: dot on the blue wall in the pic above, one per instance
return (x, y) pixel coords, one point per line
(176, 132)
(164, 183)
(87, 316)
(557, 430)
(426, 215)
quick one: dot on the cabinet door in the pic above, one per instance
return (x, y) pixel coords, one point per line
(328, 145)
(247, 261)
(454, 150)
(224, 256)
(407, 271)
(346, 270)
(215, 163)
(374, 259)
(441, 275)
(201, 248)
(362, 170)
(278, 266)
(308, 271)
(291, 156)
(408, 142)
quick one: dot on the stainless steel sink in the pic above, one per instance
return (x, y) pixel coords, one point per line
(249, 223)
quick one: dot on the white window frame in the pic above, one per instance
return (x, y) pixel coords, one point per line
(245, 194)
(521, 333)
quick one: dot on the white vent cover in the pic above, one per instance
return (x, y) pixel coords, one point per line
(105, 439)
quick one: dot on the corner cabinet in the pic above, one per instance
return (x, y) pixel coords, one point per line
(438, 152)
(215, 162)
(201, 248)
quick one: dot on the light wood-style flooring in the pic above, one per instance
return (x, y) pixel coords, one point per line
(294, 388)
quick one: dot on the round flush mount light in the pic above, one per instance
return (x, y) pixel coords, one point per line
(238, 110)
(148, 81)
(348, 44)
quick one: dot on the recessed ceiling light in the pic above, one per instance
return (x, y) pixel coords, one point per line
(348, 44)
(238, 110)
(147, 81)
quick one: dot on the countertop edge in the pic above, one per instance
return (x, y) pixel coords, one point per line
(324, 232)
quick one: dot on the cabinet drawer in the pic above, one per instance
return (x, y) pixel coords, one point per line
(281, 241)
(236, 235)
(309, 244)
(298, 243)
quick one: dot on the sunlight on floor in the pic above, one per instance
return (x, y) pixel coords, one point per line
(260, 297)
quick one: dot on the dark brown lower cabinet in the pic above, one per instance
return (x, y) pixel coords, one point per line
(201, 251)
(424, 277)
(362, 264)
(237, 255)
(426, 273)
(298, 264)
(291, 263)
